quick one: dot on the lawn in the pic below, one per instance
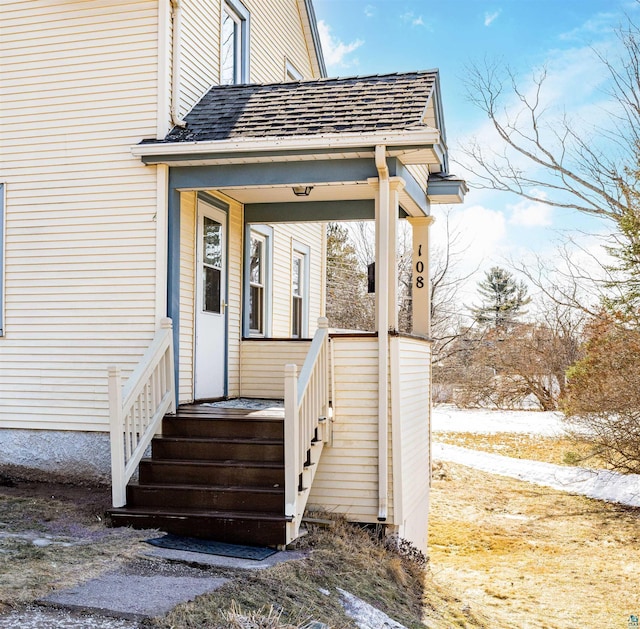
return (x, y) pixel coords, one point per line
(527, 556)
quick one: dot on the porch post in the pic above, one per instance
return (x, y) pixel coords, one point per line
(396, 184)
(421, 289)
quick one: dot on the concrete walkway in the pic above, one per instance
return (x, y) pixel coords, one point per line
(147, 587)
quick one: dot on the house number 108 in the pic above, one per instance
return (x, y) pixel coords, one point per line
(420, 269)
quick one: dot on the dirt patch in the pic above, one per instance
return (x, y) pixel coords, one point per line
(54, 536)
(558, 450)
(524, 555)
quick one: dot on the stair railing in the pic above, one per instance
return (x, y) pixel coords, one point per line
(137, 408)
(306, 405)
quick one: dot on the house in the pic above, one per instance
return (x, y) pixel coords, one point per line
(167, 168)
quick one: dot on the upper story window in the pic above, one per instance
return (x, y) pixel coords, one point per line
(234, 37)
(291, 73)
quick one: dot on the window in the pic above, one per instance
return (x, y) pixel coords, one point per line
(257, 320)
(290, 72)
(2, 206)
(212, 265)
(300, 291)
(234, 51)
(256, 283)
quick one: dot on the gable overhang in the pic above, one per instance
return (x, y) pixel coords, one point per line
(423, 144)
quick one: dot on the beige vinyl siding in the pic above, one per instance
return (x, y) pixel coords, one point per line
(187, 296)
(414, 400)
(276, 35)
(234, 294)
(347, 478)
(200, 50)
(262, 366)
(284, 237)
(78, 88)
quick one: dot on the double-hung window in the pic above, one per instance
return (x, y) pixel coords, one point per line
(258, 256)
(234, 49)
(300, 291)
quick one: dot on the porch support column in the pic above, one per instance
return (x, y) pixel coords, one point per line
(396, 184)
(421, 289)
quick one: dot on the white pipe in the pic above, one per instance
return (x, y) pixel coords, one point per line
(175, 64)
(382, 320)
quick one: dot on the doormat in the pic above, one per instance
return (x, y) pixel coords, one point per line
(209, 547)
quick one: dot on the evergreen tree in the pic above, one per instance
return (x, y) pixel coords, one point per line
(503, 299)
(348, 305)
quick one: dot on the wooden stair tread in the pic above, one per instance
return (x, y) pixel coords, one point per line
(269, 465)
(198, 513)
(266, 441)
(211, 488)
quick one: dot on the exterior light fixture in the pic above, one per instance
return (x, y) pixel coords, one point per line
(302, 191)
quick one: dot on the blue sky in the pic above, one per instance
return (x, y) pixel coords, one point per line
(380, 36)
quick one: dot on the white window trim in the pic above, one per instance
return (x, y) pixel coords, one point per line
(291, 73)
(241, 16)
(3, 205)
(265, 232)
(302, 251)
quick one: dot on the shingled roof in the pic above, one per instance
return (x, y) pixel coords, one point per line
(392, 102)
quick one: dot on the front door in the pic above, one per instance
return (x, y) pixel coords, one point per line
(211, 303)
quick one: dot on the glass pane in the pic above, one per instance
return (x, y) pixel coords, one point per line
(296, 327)
(229, 60)
(297, 275)
(255, 264)
(212, 245)
(211, 300)
(256, 308)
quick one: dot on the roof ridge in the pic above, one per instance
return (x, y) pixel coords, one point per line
(431, 72)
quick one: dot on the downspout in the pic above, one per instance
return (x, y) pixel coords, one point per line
(382, 281)
(176, 8)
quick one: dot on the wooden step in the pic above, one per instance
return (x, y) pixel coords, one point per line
(223, 498)
(218, 448)
(223, 427)
(234, 527)
(202, 472)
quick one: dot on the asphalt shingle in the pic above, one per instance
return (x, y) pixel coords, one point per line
(392, 102)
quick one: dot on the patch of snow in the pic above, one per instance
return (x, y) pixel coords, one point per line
(600, 484)
(446, 417)
(366, 616)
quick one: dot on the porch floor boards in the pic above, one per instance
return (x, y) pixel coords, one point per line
(215, 473)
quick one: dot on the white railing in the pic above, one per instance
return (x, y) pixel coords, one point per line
(306, 408)
(137, 408)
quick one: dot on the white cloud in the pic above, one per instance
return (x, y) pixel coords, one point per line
(489, 18)
(413, 19)
(369, 10)
(530, 214)
(335, 51)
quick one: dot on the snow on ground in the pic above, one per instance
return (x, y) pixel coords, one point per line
(447, 417)
(600, 484)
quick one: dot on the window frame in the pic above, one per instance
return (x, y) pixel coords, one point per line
(241, 44)
(265, 234)
(291, 73)
(301, 252)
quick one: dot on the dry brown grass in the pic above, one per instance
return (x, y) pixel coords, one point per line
(528, 556)
(344, 556)
(558, 450)
(71, 519)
